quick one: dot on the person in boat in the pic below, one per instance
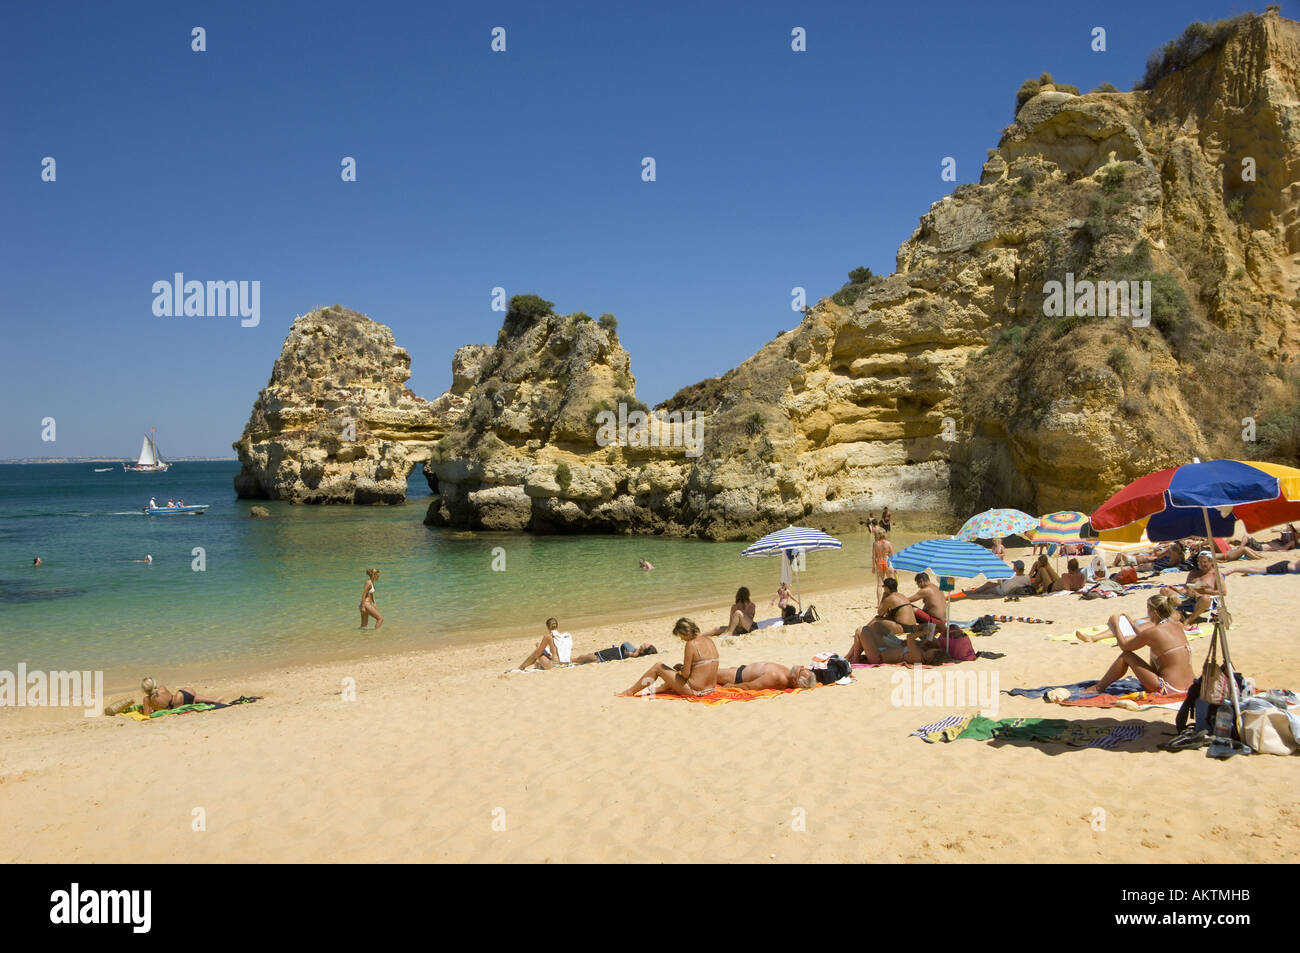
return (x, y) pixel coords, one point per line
(1170, 666)
(171, 503)
(763, 675)
(158, 698)
(148, 559)
(180, 502)
(698, 672)
(153, 503)
(367, 607)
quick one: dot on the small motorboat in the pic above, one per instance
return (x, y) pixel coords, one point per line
(175, 510)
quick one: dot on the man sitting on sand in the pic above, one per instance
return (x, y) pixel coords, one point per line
(1198, 591)
(895, 617)
(1072, 579)
(934, 607)
(1005, 587)
(762, 675)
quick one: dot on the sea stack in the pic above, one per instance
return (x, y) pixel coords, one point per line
(336, 423)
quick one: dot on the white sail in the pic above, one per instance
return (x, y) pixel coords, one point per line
(147, 457)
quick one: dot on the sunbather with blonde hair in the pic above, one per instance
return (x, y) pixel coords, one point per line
(696, 675)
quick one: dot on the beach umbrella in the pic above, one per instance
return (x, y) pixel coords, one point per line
(1065, 526)
(788, 543)
(951, 557)
(1191, 500)
(997, 524)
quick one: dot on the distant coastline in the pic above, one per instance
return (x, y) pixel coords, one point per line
(170, 459)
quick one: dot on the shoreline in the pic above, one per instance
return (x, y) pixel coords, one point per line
(439, 746)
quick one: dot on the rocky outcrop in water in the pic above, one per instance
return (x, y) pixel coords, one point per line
(336, 423)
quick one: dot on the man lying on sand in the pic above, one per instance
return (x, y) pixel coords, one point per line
(761, 675)
(1005, 587)
(1280, 568)
(616, 653)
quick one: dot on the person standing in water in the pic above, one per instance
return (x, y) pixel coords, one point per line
(367, 606)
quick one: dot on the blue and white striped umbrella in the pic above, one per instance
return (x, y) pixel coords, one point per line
(951, 557)
(792, 539)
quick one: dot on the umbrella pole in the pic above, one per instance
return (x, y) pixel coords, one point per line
(1221, 623)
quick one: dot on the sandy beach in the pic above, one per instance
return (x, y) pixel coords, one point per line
(441, 757)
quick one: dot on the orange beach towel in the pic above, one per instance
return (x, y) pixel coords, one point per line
(721, 695)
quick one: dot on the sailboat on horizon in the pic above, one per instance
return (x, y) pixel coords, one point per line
(149, 461)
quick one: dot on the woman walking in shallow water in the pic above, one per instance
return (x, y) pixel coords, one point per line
(367, 606)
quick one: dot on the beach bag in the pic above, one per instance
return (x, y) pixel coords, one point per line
(1214, 677)
(837, 667)
(1268, 731)
(811, 614)
(1126, 576)
(957, 644)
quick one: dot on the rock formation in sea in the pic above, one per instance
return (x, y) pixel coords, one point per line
(957, 382)
(336, 423)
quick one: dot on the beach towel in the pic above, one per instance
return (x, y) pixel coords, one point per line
(1198, 631)
(722, 695)
(1079, 734)
(1140, 700)
(136, 714)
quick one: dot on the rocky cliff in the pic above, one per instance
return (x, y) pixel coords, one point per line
(336, 423)
(957, 382)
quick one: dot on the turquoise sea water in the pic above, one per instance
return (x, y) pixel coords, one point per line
(287, 587)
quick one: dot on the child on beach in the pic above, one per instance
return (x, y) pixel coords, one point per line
(782, 597)
(698, 673)
(367, 606)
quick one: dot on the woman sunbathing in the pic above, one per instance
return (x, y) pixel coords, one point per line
(1280, 568)
(698, 673)
(158, 698)
(1170, 668)
(741, 616)
(1198, 591)
(878, 641)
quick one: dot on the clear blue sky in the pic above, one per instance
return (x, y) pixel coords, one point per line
(475, 169)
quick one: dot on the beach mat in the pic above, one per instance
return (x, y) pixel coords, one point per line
(1077, 734)
(1126, 693)
(136, 714)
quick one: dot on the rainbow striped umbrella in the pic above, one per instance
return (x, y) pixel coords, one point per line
(997, 524)
(1063, 527)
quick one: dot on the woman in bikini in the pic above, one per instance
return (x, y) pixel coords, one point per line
(1170, 668)
(698, 673)
(367, 605)
(878, 641)
(158, 698)
(742, 616)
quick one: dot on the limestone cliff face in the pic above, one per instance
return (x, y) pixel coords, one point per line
(335, 423)
(530, 451)
(953, 384)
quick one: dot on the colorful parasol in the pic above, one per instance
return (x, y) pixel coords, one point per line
(998, 524)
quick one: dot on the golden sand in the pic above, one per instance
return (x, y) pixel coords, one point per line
(442, 758)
